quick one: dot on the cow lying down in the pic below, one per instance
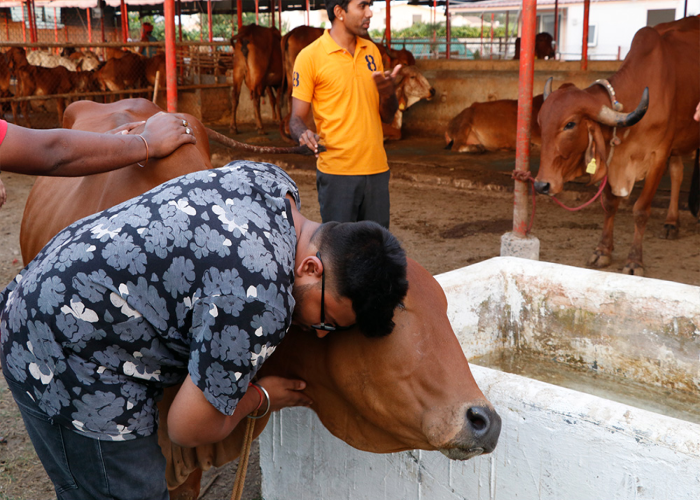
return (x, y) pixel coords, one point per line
(411, 389)
(490, 126)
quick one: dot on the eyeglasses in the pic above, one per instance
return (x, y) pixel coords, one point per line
(322, 325)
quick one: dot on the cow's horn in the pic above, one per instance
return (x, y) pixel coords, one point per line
(547, 88)
(612, 118)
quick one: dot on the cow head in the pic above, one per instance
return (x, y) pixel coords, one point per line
(411, 87)
(410, 389)
(571, 122)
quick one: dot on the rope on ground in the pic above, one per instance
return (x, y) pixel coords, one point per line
(243, 461)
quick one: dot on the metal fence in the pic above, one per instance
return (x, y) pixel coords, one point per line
(460, 48)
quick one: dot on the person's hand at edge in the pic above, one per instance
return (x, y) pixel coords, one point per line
(385, 81)
(284, 392)
(165, 133)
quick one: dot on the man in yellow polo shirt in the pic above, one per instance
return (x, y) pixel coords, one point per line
(342, 75)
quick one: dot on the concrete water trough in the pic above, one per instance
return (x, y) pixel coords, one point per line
(622, 421)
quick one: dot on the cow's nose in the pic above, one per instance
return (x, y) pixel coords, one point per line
(485, 425)
(542, 187)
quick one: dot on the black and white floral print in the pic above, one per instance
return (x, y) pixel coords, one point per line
(194, 276)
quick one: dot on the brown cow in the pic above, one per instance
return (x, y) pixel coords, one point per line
(5, 76)
(411, 87)
(126, 71)
(292, 43)
(662, 73)
(392, 57)
(257, 60)
(489, 126)
(411, 389)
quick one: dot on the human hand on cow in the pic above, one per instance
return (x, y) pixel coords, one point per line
(385, 81)
(166, 132)
(284, 392)
(696, 117)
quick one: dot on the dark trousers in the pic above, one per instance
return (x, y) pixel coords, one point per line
(352, 198)
(82, 468)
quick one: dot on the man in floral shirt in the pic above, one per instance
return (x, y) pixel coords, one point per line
(194, 282)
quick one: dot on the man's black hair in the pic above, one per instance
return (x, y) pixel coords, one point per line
(368, 266)
(330, 5)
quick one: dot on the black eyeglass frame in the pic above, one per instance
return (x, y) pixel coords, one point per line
(322, 325)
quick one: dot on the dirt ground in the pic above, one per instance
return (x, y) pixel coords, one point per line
(448, 210)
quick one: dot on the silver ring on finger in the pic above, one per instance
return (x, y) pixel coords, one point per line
(184, 123)
(188, 130)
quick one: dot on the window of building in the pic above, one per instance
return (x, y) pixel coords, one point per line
(659, 16)
(592, 35)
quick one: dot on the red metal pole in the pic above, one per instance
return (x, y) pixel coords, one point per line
(279, 14)
(491, 49)
(32, 22)
(584, 48)
(55, 25)
(170, 56)
(388, 24)
(256, 13)
(448, 30)
(308, 14)
(179, 19)
(7, 28)
(211, 39)
(522, 151)
(125, 22)
(89, 25)
(239, 12)
(102, 25)
(24, 27)
(556, 25)
(272, 13)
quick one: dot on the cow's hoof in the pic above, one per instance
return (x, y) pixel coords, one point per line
(633, 269)
(669, 232)
(599, 259)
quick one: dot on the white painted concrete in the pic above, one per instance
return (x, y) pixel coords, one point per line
(556, 443)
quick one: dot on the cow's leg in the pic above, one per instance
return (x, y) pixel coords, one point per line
(273, 104)
(642, 211)
(602, 255)
(256, 95)
(235, 95)
(189, 490)
(675, 170)
(60, 108)
(13, 105)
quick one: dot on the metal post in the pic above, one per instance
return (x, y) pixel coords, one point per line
(279, 14)
(211, 39)
(24, 27)
(257, 6)
(89, 24)
(388, 24)
(481, 35)
(102, 24)
(55, 25)
(7, 28)
(522, 152)
(448, 31)
(685, 10)
(179, 19)
(239, 13)
(491, 49)
(505, 54)
(272, 13)
(584, 48)
(65, 32)
(32, 22)
(308, 14)
(556, 25)
(125, 22)
(170, 56)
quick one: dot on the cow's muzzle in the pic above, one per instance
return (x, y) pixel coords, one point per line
(479, 436)
(542, 187)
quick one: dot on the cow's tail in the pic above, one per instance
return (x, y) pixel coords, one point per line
(227, 141)
(694, 195)
(284, 85)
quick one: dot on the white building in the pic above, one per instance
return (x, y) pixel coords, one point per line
(612, 23)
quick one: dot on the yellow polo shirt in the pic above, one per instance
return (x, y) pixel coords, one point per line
(345, 104)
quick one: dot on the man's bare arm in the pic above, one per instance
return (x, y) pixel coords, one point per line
(300, 132)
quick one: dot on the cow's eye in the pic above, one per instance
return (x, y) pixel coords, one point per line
(569, 126)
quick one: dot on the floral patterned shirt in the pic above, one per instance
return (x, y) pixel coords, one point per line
(194, 276)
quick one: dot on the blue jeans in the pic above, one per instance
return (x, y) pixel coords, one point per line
(82, 468)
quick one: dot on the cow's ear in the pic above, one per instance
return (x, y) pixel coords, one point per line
(598, 152)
